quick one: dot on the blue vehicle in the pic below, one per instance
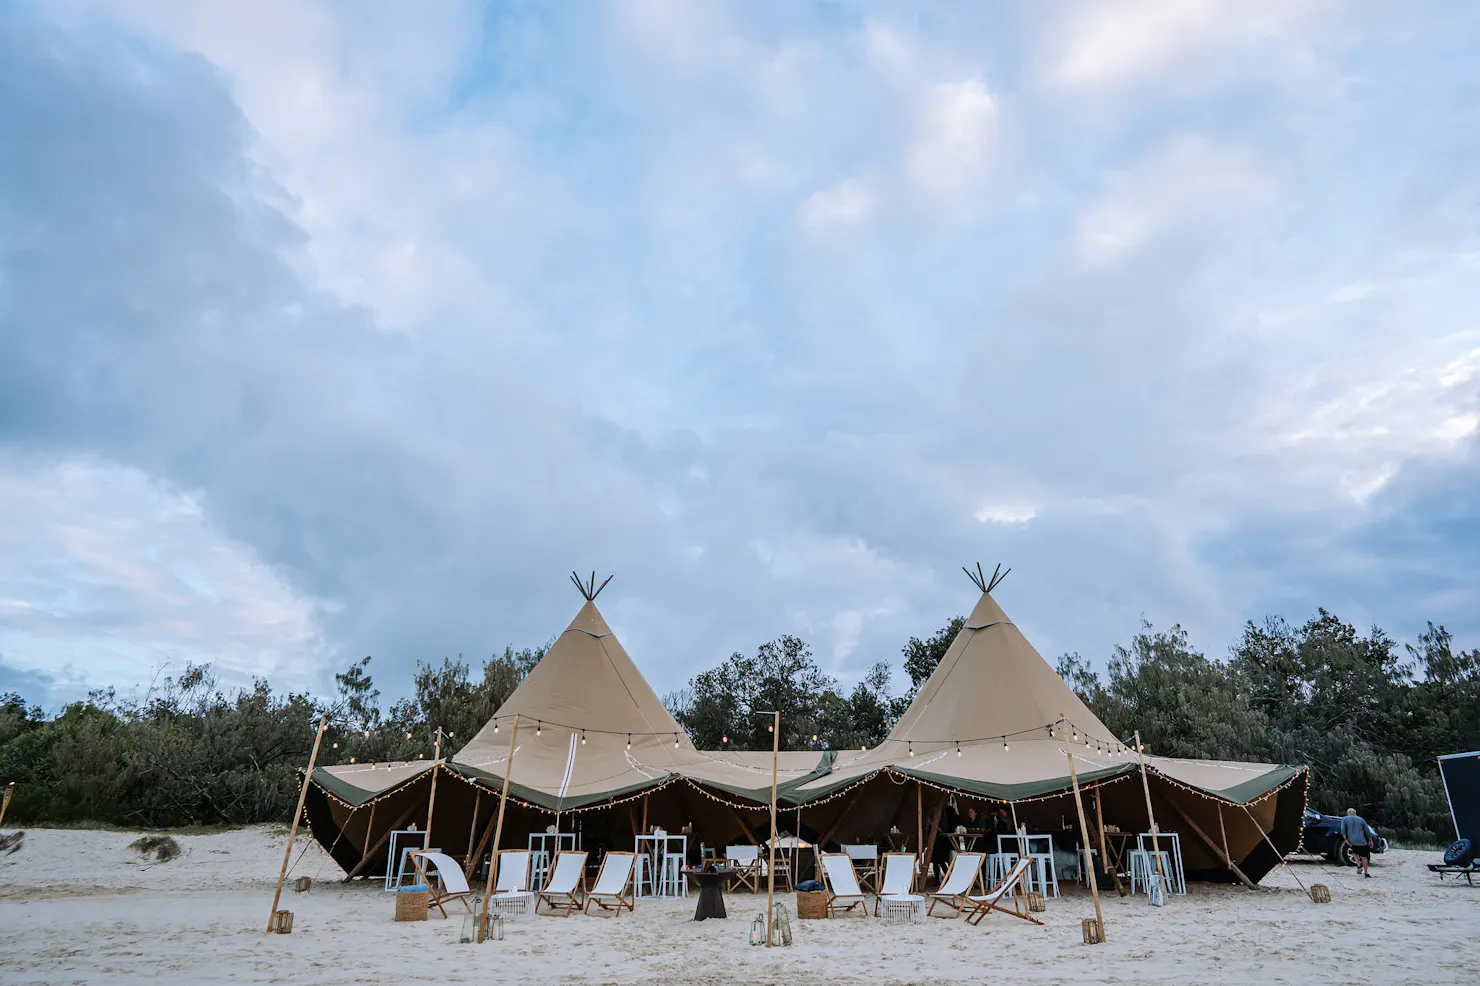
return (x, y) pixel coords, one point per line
(1321, 836)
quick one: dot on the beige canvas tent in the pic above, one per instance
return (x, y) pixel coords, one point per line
(598, 753)
(992, 725)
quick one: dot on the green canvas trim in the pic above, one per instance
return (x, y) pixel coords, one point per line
(1016, 792)
(1246, 791)
(355, 796)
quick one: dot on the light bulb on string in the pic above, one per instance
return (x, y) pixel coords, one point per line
(336, 746)
(1004, 744)
(351, 759)
(770, 727)
(814, 737)
(725, 738)
(495, 727)
(912, 749)
(675, 741)
(408, 735)
(539, 728)
(958, 748)
(1074, 736)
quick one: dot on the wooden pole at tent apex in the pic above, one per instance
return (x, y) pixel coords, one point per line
(1146, 786)
(426, 840)
(498, 830)
(1094, 885)
(771, 867)
(9, 793)
(313, 757)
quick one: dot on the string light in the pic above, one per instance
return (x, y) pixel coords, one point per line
(583, 737)
(770, 727)
(336, 746)
(814, 737)
(408, 734)
(629, 741)
(724, 739)
(958, 749)
(539, 728)
(1004, 744)
(912, 749)
(495, 727)
(675, 741)
(351, 759)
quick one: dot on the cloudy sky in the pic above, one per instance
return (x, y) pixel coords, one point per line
(342, 329)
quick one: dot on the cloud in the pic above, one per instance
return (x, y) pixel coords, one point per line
(781, 313)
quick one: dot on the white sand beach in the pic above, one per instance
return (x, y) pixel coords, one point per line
(80, 907)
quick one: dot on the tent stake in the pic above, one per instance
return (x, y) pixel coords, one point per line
(1094, 885)
(297, 814)
(1146, 786)
(432, 798)
(498, 830)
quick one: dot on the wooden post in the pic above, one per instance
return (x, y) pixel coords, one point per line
(365, 859)
(771, 869)
(477, 852)
(929, 846)
(1196, 830)
(644, 815)
(9, 793)
(920, 826)
(1094, 888)
(277, 895)
(498, 831)
(426, 842)
(1146, 786)
(473, 825)
(1105, 847)
(1223, 833)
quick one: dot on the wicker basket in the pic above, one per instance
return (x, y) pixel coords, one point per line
(1093, 933)
(811, 905)
(1320, 893)
(282, 922)
(1036, 903)
(303, 885)
(411, 905)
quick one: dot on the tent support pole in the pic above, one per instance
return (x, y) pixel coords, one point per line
(369, 827)
(1146, 786)
(771, 868)
(1094, 885)
(4, 805)
(743, 827)
(644, 815)
(1104, 850)
(832, 829)
(477, 853)
(919, 825)
(498, 831)
(473, 826)
(1223, 833)
(370, 853)
(318, 736)
(1281, 856)
(432, 798)
(929, 845)
(1207, 841)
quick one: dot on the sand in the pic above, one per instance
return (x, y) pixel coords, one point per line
(79, 907)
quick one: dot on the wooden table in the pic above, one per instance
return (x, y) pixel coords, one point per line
(711, 884)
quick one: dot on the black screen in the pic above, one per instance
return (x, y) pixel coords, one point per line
(1462, 779)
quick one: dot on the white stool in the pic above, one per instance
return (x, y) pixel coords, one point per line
(675, 882)
(999, 864)
(1043, 874)
(1143, 868)
(901, 909)
(647, 880)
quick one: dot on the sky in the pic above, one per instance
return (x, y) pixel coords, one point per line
(330, 330)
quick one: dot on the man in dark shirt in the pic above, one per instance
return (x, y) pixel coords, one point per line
(1359, 835)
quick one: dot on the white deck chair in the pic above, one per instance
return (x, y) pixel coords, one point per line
(898, 878)
(511, 894)
(1015, 884)
(841, 882)
(612, 880)
(746, 859)
(567, 878)
(450, 884)
(964, 874)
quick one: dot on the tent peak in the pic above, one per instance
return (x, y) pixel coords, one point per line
(979, 579)
(589, 590)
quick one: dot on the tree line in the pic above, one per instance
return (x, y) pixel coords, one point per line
(1369, 716)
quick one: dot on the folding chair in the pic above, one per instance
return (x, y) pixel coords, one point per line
(746, 859)
(965, 873)
(450, 884)
(842, 884)
(1014, 884)
(614, 877)
(865, 864)
(567, 879)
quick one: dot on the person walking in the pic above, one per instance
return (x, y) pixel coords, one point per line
(1360, 836)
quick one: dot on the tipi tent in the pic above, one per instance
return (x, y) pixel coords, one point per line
(994, 723)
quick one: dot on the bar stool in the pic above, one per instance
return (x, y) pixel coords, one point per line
(675, 882)
(1044, 874)
(1143, 868)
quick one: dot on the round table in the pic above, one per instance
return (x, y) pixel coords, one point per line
(711, 884)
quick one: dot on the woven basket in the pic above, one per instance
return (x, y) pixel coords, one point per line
(811, 905)
(411, 905)
(1036, 903)
(1320, 893)
(1093, 933)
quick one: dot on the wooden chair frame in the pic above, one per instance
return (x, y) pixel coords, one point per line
(884, 871)
(621, 902)
(832, 896)
(568, 901)
(498, 869)
(976, 910)
(957, 901)
(747, 875)
(438, 894)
